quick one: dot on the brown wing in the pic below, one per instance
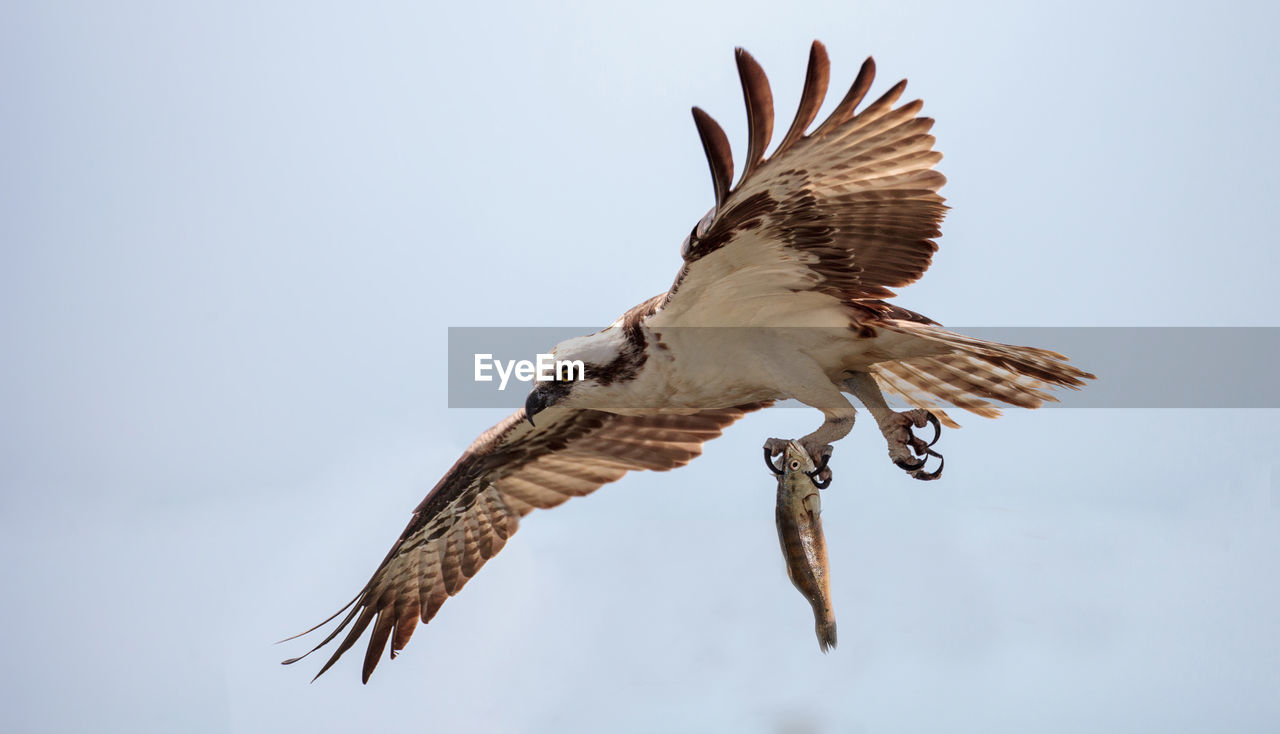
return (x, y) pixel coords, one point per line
(849, 210)
(507, 472)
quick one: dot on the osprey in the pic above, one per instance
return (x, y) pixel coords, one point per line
(781, 295)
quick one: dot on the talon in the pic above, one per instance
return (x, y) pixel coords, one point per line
(903, 442)
(925, 476)
(768, 459)
(937, 430)
(821, 465)
(911, 467)
(817, 475)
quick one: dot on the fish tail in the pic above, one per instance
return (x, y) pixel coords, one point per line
(826, 629)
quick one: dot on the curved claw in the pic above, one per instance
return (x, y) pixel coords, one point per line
(926, 476)
(937, 430)
(907, 466)
(768, 459)
(818, 469)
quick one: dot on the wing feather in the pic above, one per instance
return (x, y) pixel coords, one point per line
(873, 112)
(815, 90)
(848, 211)
(488, 539)
(451, 561)
(470, 556)
(357, 629)
(532, 493)
(502, 519)
(378, 640)
(510, 470)
(408, 606)
(857, 91)
(431, 591)
(759, 100)
(719, 155)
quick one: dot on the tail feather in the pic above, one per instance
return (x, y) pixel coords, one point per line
(973, 373)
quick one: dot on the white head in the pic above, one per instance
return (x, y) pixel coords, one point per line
(595, 362)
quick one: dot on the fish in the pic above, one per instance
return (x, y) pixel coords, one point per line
(800, 533)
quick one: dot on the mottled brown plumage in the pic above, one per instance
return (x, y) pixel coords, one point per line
(858, 195)
(509, 471)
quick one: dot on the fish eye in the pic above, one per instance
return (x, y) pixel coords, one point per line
(795, 464)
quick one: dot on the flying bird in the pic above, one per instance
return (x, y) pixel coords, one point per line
(781, 295)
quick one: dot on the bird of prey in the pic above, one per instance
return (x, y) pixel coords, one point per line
(781, 295)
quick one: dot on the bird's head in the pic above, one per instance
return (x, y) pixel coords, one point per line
(583, 369)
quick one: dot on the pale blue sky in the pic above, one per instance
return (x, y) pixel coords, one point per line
(233, 239)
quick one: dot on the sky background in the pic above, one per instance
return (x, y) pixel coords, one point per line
(232, 240)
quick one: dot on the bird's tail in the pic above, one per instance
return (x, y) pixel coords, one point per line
(974, 374)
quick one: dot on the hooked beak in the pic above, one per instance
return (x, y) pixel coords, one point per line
(533, 404)
(545, 395)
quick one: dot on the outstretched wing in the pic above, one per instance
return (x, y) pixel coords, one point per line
(837, 215)
(507, 472)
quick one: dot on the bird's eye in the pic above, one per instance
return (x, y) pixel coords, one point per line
(794, 465)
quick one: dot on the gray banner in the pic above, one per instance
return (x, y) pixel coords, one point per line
(1136, 367)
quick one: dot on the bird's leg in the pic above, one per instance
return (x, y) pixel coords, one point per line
(838, 421)
(896, 427)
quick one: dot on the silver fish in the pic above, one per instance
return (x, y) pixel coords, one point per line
(800, 533)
